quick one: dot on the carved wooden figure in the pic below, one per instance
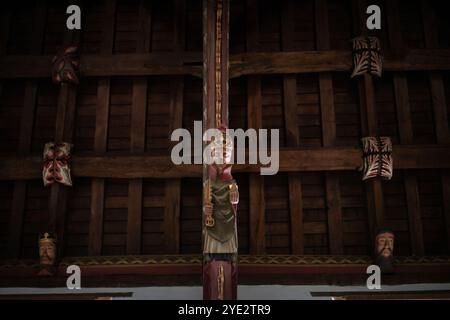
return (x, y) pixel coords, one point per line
(220, 243)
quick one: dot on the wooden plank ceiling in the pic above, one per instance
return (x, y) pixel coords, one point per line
(290, 62)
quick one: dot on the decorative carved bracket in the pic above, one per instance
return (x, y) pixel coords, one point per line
(367, 56)
(377, 157)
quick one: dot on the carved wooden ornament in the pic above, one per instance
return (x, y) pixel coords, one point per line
(65, 66)
(377, 157)
(57, 163)
(367, 56)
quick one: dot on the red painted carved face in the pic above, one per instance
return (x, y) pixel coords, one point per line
(56, 164)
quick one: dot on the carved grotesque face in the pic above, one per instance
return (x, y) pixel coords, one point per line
(56, 164)
(47, 252)
(65, 66)
(385, 244)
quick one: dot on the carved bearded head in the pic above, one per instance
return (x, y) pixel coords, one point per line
(384, 250)
(47, 249)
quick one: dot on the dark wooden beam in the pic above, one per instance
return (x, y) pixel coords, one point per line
(292, 131)
(254, 118)
(215, 114)
(369, 124)
(171, 270)
(138, 134)
(291, 160)
(64, 129)
(334, 212)
(332, 61)
(189, 63)
(173, 186)
(439, 105)
(107, 65)
(101, 135)
(26, 127)
(406, 132)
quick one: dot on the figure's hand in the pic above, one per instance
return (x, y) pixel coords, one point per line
(234, 197)
(234, 194)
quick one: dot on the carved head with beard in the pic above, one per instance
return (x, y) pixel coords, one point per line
(47, 253)
(384, 250)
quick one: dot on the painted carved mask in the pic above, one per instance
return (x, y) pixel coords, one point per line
(57, 163)
(367, 56)
(384, 250)
(65, 66)
(47, 249)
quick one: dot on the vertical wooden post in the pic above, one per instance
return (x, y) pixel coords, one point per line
(101, 135)
(369, 125)
(137, 135)
(64, 127)
(335, 230)
(173, 186)
(292, 131)
(256, 181)
(405, 129)
(26, 125)
(439, 105)
(215, 112)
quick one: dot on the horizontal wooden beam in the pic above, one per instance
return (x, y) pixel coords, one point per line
(291, 160)
(190, 63)
(108, 271)
(136, 64)
(331, 61)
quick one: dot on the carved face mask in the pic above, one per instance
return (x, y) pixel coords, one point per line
(47, 249)
(65, 66)
(56, 164)
(385, 244)
(384, 251)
